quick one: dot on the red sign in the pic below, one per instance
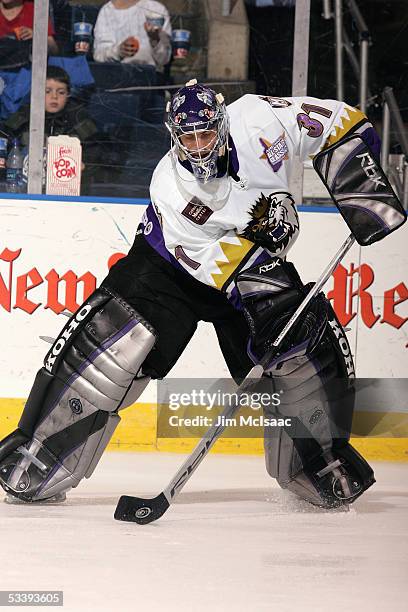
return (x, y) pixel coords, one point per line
(349, 285)
(61, 291)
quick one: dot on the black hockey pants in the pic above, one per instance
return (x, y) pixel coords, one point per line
(173, 303)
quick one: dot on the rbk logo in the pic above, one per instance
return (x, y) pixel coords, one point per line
(370, 169)
(270, 266)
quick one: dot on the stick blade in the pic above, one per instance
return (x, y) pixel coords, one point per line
(139, 510)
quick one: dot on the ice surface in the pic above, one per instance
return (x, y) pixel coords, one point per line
(233, 541)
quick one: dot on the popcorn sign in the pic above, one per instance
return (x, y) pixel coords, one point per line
(64, 167)
(64, 154)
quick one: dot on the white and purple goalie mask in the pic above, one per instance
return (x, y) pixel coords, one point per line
(196, 108)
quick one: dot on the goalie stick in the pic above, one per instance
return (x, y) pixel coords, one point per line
(142, 511)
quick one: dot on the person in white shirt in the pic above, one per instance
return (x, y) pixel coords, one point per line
(134, 32)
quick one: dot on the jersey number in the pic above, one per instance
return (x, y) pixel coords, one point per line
(313, 126)
(180, 254)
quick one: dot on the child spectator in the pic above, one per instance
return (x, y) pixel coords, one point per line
(17, 21)
(63, 115)
(133, 31)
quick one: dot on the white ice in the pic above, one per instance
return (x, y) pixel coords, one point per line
(233, 541)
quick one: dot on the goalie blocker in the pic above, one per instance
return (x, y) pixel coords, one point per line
(360, 189)
(313, 372)
(91, 372)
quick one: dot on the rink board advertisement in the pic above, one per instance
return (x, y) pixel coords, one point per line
(54, 253)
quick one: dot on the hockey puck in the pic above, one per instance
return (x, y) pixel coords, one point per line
(143, 512)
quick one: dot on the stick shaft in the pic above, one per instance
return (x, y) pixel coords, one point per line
(211, 436)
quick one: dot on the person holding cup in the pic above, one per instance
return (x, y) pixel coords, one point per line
(133, 31)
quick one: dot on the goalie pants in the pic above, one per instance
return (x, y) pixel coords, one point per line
(173, 303)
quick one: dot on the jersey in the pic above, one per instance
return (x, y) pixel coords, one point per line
(213, 231)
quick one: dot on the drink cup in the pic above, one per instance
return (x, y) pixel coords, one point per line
(82, 37)
(155, 21)
(181, 43)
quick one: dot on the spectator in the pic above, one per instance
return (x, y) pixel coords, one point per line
(63, 115)
(130, 31)
(17, 21)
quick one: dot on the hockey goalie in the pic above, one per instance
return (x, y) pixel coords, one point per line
(212, 246)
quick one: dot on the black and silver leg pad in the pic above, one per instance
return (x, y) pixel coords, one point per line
(92, 371)
(313, 373)
(312, 456)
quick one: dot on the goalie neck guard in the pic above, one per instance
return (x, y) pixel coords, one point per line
(195, 109)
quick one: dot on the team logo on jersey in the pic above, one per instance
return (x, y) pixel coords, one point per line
(196, 212)
(274, 220)
(276, 152)
(276, 102)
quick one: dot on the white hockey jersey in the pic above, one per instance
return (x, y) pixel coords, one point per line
(213, 231)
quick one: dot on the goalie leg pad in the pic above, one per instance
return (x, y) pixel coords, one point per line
(313, 372)
(90, 373)
(313, 458)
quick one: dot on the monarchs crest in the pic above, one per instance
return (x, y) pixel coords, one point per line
(274, 221)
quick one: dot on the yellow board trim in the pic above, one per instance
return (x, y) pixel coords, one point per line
(137, 432)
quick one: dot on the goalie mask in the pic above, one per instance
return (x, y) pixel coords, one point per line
(198, 123)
